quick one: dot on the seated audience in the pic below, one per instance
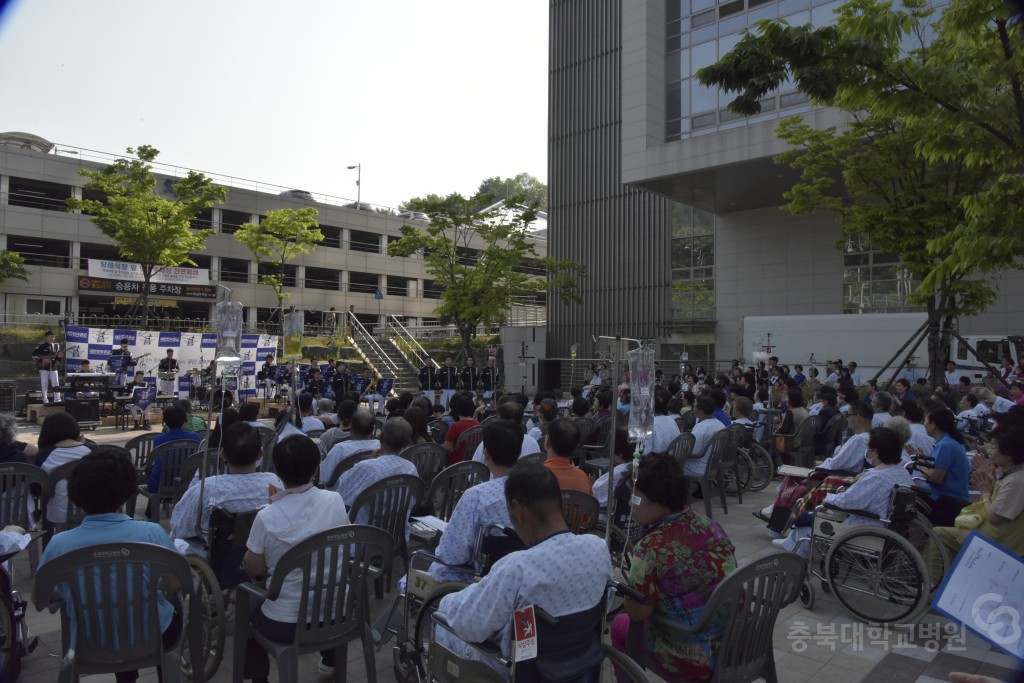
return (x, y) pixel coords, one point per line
(509, 409)
(294, 514)
(463, 407)
(12, 450)
(676, 566)
(60, 441)
(310, 422)
(946, 471)
(563, 438)
(623, 457)
(242, 489)
(100, 485)
(250, 414)
(705, 428)
(394, 438)
(174, 419)
(665, 427)
(361, 439)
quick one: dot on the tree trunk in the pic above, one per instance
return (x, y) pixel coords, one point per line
(938, 337)
(147, 275)
(466, 333)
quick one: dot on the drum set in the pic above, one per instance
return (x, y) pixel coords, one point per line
(201, 391)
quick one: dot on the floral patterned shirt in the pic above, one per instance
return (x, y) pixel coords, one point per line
(677, 565)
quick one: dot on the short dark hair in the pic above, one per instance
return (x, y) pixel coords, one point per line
(795, 397)
(661, 481)
(510, 410)
(883, 400)
(718, 396)
(535, 488)
(346, 409)
(250, 412)
(604, 399)
(580, 407)
(705, 404)
(862, 409)
(362, 424)
(623, 446)
(124, 340)
(392, 405)
(503, 441)
(296, 459)
(305, 401)
(661, 399)
(1011, 443)
(913, 411)
(743, 406)
(829, 397)
(563, 436)
(240, 445)
(462, 405)
(848, 393)
(103, 480)
(945, 421)
(174, 416)
(887, 443)
(405, 399)
(972, 399)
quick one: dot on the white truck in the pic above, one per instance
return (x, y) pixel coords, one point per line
(870, 339)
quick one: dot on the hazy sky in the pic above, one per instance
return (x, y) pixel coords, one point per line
(430, 96)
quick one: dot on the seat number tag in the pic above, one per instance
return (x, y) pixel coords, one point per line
(526, 634)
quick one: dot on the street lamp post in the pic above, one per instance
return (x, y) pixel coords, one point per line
(359, 184)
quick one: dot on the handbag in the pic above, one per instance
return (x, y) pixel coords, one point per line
(971, 516)
(783, 444)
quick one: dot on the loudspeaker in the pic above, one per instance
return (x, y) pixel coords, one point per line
(83, 409)
(550, 375)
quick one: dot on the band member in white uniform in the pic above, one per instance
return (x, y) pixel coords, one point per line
(46, 356)
(168, 365)
(122, 376)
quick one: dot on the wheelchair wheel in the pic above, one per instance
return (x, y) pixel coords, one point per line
(10, 645)
(738, 482)
(214, 621)
(411, 656)
(878, 576)
(763, 468)
(807, 594)
(930, 547)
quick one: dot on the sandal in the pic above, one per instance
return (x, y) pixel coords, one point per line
(761, 516)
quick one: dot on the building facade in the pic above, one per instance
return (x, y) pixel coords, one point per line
(726, 249)
(348, 269)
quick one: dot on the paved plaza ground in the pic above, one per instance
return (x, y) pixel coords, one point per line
(821, 644)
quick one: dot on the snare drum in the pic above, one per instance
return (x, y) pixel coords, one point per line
(168, 376)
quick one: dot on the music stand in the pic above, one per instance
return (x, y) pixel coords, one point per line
(142, 398)
(118, 366)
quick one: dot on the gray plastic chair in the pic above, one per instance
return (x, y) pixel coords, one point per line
(140, 447)
(680, 448)
(315, 433)
(335, 565)
(748, 601)
(24, 490)
(430, 459)
(387, 505)
(127, 637)
(215, 465)
(687, 421)
(802, 453)
(448, 486)
(268, 439)
(344, 466)
(834, 434)
(331, 438)
(171, 488)
(586, 427)
(581, 511)
(438, 430)
(469, 440)
(717, 449)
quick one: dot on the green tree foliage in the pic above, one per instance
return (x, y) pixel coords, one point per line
(528, 189)
(929, 163)
(148, 229)
(279, 238)
(12, 266)
(480, 259)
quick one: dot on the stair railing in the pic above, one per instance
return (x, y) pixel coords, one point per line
(406, 343)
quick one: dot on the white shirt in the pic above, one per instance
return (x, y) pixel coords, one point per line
(309, 423)
(281, 525)
(832, 379)
(918, 439)
(528, 447)
(1001, 405)
(562, 575)
(233, 492)
(815, 409)
(878, 420)
(855, 378)
(600, 487)
(952, 377)
(57, 508)
(341, 451)
(367, 473)
(665, 430)
(702, 433)
(850, 456)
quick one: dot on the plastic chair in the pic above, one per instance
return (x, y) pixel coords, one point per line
(334, 567)
(748, 603)
(315, 433)
(110, 640)
(387, 505)
(586, 427)
(268, 439)
(447, 487)
(171, 488)
(140, 447)
(24, 490)
(215, 465)
(687, 421)
(331, 438)
(438, 430)
(802, 452)
(833, 434)
(581, 511)
(75, 514)
(345, 465)
(717, 449)
(681, 448)
(468, 441)
(430, 459)
(730, 460)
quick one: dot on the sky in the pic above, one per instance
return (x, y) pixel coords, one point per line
(429, 96)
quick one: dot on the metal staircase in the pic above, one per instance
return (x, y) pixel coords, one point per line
(405, 350)
(383, 362)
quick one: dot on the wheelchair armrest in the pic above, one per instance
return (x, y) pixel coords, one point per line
(836, 473)
(625, 591)
(859, 513)
(428, 557)
(485, 648)
(259, 592)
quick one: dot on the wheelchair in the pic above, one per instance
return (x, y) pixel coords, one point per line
(569, 648)
(16, 642)
(409, 617)
(879, 574)
(216, 577)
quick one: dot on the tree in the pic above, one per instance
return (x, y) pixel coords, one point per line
(12, 266)
(533, 191)
(479, 260)
(148, 229)
(926, 145)
(277, 239)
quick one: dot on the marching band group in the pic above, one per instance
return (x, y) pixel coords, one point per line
(277, 380)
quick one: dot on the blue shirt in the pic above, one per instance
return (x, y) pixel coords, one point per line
(951, 456)
(722, 417)
(112, 527)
